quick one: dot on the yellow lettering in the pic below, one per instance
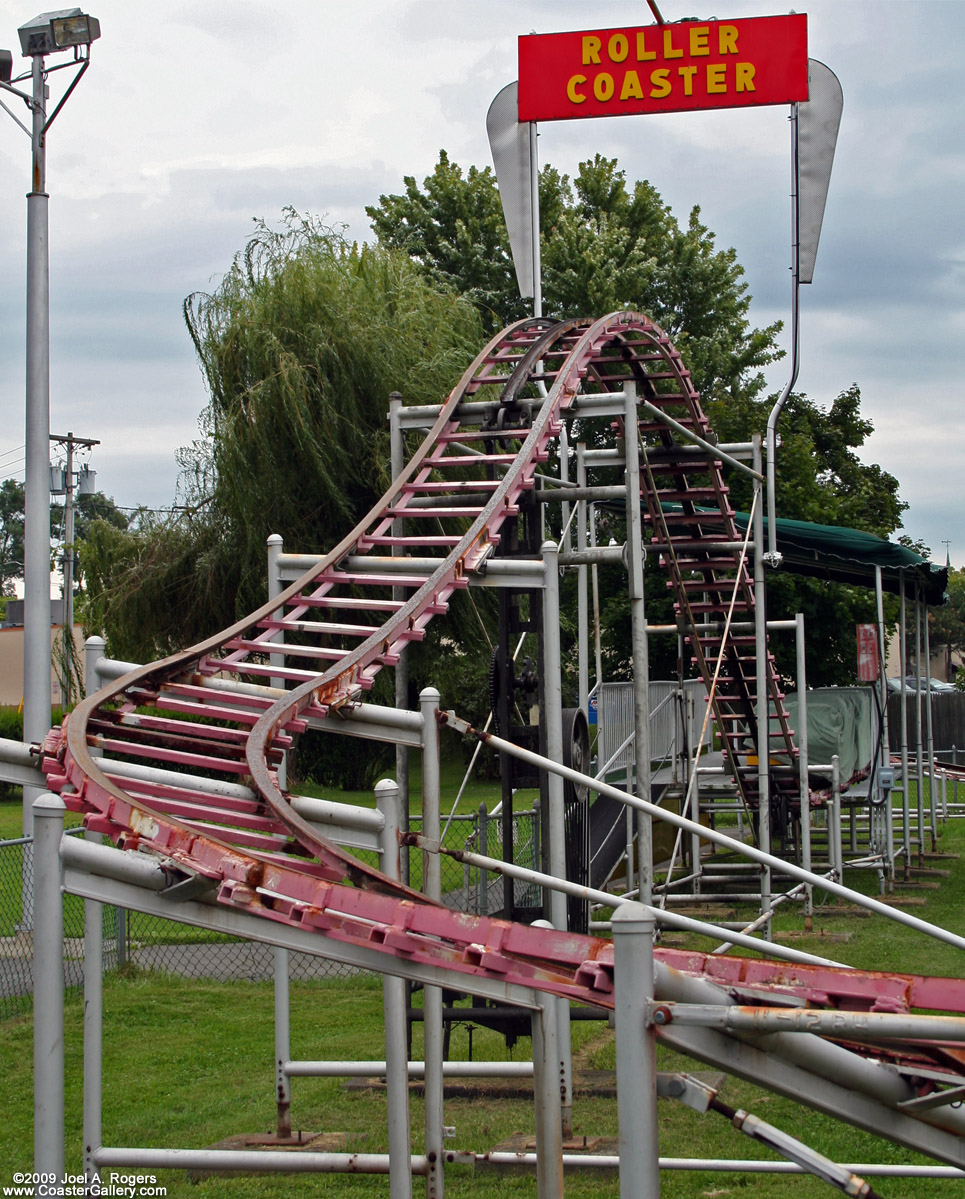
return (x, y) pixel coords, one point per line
(643, 54)
(727, 39)
(572, 84)
(698, 40)
(631, 89)
(618, 47)
(603, 87)
(687, 75)
(669, 50)
(716, 77)
(591, 50)
(745, 76)
(659, 83)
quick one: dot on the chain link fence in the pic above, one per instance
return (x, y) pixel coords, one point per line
(480, 892)
(153, 943)
(16, 929)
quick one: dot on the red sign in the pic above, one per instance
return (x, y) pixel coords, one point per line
(868, 669)
(663, 68)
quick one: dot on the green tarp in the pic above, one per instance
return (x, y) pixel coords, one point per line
(850, 556)
(840, 721)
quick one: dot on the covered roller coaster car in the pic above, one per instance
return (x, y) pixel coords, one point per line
(843, 722)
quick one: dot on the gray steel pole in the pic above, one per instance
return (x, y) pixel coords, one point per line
(639, 646)
(582, 589)
(762, 705)
(881, 684)
(903, 671)
(775, 414)
(49, 812)
(397, 456)
(534, 198)
(68, 567)
(633, 988)
(280, 960)
(555, 789)
(804, 784)
(932, 792)
(553, 702)
(835, 844)
(93, 1026)
(919, 746)
(432, 996)
(546, 1096)
(393, 1002)
(36, 632)
(94, 651)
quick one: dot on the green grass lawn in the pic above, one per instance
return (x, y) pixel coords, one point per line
(188, 1063)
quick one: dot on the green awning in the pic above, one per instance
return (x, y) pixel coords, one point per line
(850, 556)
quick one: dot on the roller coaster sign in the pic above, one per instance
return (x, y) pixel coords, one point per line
(663, 68)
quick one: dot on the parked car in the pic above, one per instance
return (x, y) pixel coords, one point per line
(911, 684)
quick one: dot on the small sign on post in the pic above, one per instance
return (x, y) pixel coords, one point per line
(868, 665)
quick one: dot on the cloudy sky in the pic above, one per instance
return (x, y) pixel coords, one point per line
(195, 118)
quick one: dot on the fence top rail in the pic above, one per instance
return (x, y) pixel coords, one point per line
(10, 842)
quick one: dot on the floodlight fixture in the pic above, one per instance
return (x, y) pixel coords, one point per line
(65, 29)
(6, 66)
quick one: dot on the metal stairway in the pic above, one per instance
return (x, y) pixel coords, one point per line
(692, 529)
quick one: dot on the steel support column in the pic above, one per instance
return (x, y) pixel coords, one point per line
(432, 996)
(394, 1005)
(633, 982)
(48, 818)
(639, 645)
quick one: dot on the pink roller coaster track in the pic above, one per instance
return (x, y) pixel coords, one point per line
(228, 708)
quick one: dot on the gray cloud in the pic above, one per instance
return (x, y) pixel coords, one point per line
(167, 151)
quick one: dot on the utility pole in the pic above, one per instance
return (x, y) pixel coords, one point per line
(948, 645)
(70, 485)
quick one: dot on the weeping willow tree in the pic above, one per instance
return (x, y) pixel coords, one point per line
(300, 347)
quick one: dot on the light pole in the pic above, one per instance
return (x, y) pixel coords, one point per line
(50, 33)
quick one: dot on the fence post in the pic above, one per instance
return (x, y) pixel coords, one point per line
(633, 926)
(48, 823)
(482, 876)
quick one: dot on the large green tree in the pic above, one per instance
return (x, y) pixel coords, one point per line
(300, 346)
(11, 534)
(88, 508)
(607, 245)
(307, 334)
(947, 627)
(604, 245)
